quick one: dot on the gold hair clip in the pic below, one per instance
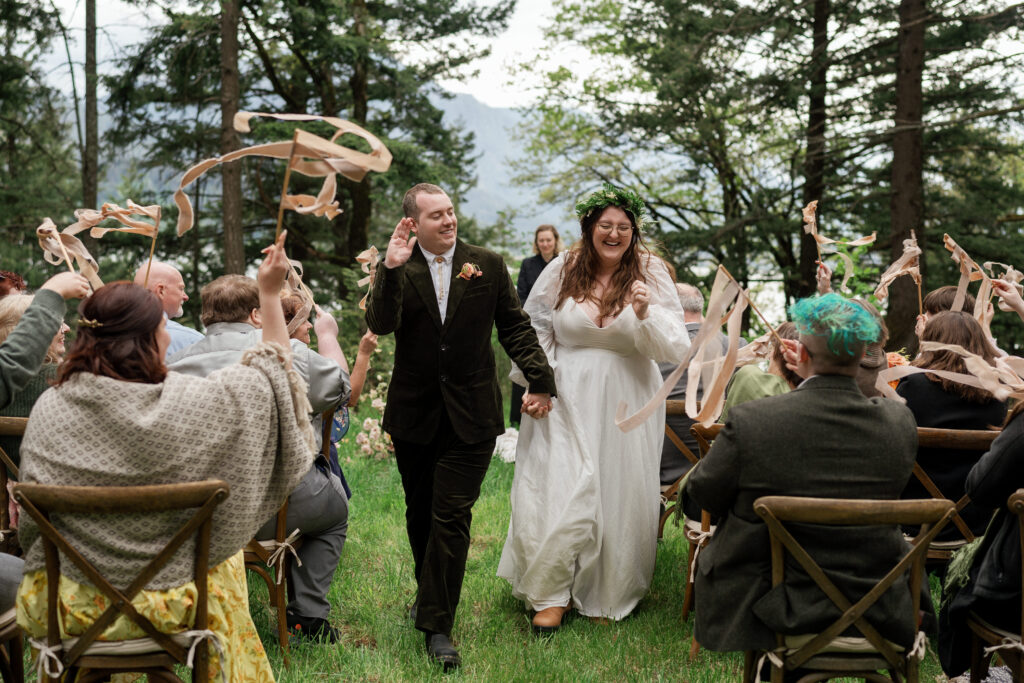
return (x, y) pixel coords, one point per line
(93, 324)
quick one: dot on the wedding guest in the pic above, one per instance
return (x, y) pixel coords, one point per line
(23, 352)
(750, 382)
(166, 282)
(116, 402)
(939, 300)
(11, 283)
(584, 525)
(12, 308)
(985, 581)
(945, 404)
(232, 312)
(823, 439)
(546, 244)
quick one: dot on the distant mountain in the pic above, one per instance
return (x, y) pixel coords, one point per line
(495, 133)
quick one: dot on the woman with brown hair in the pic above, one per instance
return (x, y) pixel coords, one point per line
(117, 417)
(944, 404)
(546, 245)
(584, 523)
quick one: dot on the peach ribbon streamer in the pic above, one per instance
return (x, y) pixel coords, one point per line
(969, 272)
(756, 350)
(298, 288)
(89, 219)
(811, 228)
(1003, 380)
(59, 247)
(1010, 275)
(367, 260)
(907, 264)
(723, 292)
(307, 154)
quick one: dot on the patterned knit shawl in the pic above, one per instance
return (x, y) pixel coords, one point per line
(247, 424)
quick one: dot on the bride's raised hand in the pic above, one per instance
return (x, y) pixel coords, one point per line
(401, 244)
(641, 299)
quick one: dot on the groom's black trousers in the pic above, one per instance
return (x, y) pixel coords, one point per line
(442, 482)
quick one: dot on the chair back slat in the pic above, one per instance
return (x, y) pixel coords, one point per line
(931, 515)
(13, 426)
(42, 501)
(705, 435)
(1016, 505)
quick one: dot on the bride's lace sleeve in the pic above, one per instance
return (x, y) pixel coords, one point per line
(540, 306)
(662, 335)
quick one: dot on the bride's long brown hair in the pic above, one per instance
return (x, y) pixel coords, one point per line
(579, 274)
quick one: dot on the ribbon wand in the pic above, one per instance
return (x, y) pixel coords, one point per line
(284, 188)
(753, 307)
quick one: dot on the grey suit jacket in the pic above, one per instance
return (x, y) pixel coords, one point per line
(824, 439)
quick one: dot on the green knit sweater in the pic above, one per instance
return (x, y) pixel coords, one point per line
(21, 406)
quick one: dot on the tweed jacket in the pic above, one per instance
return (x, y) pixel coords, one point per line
(450, 366)
(823, 439)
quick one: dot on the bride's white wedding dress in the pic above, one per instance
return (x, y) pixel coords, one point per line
(585, 497)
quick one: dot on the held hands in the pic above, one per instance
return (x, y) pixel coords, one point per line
(400, 246)
(537, 406)
(274, 269)
(641, 299)
(68, 285)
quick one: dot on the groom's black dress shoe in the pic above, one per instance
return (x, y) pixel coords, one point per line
(441, 650)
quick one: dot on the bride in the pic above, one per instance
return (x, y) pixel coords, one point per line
(585, 498)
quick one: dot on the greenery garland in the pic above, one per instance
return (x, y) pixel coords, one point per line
(609, 195)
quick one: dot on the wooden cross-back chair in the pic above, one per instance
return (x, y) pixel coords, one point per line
(670, 496)
(157, 654)
(9, 426)
(262, 556)
(829, 654)
(1007, 644)
(970, 440)
(698, 532)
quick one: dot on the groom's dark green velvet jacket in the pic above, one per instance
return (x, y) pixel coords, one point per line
(450, 366)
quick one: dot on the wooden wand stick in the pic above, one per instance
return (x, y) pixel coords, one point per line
(753, 306)
(284, 188)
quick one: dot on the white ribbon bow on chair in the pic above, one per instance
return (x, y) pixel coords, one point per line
(198, 637)
(49, 661)
(277, 558)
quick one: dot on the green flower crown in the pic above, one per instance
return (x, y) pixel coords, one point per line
(609, 195)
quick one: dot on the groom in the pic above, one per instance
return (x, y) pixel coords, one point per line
(441, 297)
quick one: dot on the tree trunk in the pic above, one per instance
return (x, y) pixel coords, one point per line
(814, 161)
(231, 173)
(90, 160)
(906, 207)
(359, 219)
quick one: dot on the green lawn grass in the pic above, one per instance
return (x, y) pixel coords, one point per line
(374, 585)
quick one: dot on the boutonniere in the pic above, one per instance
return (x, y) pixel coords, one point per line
(470, 271)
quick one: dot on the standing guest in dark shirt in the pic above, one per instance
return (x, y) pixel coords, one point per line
(944, 404)
(546, 245)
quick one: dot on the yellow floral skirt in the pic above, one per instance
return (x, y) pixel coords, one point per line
(171, 611)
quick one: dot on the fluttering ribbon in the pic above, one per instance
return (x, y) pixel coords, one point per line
(970, 271)
(705, 347)
(278, 557)
(89, 219)
(1004, 379)
(61, 247)
(907, 264)
(367, 259)
(307, 154)
(755, 351)
(296, 287)
(811, 228)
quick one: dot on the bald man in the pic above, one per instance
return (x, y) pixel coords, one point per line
(166, 282)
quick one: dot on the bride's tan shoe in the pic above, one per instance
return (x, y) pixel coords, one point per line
(548, 620)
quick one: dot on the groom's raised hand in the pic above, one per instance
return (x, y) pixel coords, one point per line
(401, 244)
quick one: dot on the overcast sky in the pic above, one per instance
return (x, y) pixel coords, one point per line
(120, 23)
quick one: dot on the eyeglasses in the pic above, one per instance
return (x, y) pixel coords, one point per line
(606, 228)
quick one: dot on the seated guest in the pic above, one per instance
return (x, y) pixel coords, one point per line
(986, 580)
(12, 307)
(673, 463)
(134, 423)
(945, 404)
(823, 439)
(11, 283)
(318, 507)
(166, 282)
(24, 351)
(751, 382)
(939, 300)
